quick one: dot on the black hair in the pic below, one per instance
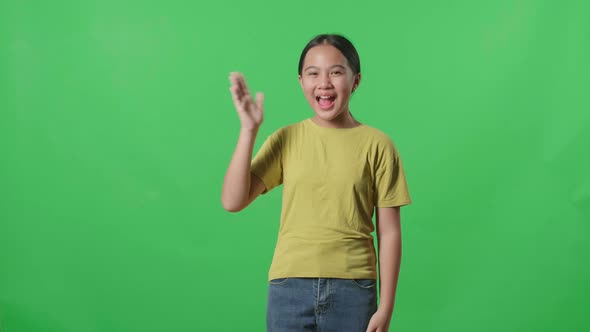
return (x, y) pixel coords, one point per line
(341, 43)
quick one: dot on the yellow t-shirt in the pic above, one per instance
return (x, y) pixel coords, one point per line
(333, 178)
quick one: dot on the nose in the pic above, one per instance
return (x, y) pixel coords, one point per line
(325, 81)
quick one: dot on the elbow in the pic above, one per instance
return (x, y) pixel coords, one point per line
(231, 207)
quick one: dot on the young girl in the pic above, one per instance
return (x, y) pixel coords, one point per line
(336, 173)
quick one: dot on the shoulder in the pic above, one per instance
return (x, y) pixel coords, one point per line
(287, 130)
(378, 138)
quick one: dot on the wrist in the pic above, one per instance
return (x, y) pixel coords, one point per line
(385, 308)
(249, 131)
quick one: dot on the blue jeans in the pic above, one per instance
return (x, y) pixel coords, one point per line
(320, 304)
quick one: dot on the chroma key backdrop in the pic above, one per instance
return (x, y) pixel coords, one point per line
(117, 127)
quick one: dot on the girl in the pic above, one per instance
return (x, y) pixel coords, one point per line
(336, 173)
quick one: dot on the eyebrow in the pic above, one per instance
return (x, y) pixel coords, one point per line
(315, 67)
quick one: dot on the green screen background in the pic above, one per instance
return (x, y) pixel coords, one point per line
(117, 126)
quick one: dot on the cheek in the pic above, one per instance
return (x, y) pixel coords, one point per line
(309, 95)
(304, 86)
(343, 84)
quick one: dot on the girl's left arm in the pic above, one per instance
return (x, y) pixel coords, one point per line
(389, 241)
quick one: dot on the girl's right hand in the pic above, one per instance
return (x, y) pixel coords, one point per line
(250, 112)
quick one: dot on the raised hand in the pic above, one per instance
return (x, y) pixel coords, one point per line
(250, 112)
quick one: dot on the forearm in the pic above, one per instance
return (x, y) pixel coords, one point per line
(236, 183)
(389, 238)
(390, 250)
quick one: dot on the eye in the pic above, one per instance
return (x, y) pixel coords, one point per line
(336, 72)
(312, 73)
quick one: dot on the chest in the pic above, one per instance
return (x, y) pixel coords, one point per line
(329, 167)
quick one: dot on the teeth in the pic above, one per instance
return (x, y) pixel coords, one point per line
(325, 97)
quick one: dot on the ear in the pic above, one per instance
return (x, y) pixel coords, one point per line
(300, 81)
(357, 81)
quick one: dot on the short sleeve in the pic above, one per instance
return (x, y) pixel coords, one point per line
(391, 188)
(267, 163)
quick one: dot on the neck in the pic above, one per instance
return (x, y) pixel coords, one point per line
(344, 120)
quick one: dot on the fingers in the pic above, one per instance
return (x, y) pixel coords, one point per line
(243, 86)
(239, 82)
(372, 326)
(235, 88)
(259, 100)
(241, 95)
(236, 98)
(246, 97)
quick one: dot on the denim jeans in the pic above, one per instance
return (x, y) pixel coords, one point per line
(320, 304)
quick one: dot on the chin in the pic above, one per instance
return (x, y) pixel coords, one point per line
(327, 115)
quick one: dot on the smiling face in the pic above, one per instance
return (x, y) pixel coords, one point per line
(327, 82)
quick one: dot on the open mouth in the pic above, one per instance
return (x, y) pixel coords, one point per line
(325, 102)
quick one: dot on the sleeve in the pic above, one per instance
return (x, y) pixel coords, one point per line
(391, 188)
(267, 163)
